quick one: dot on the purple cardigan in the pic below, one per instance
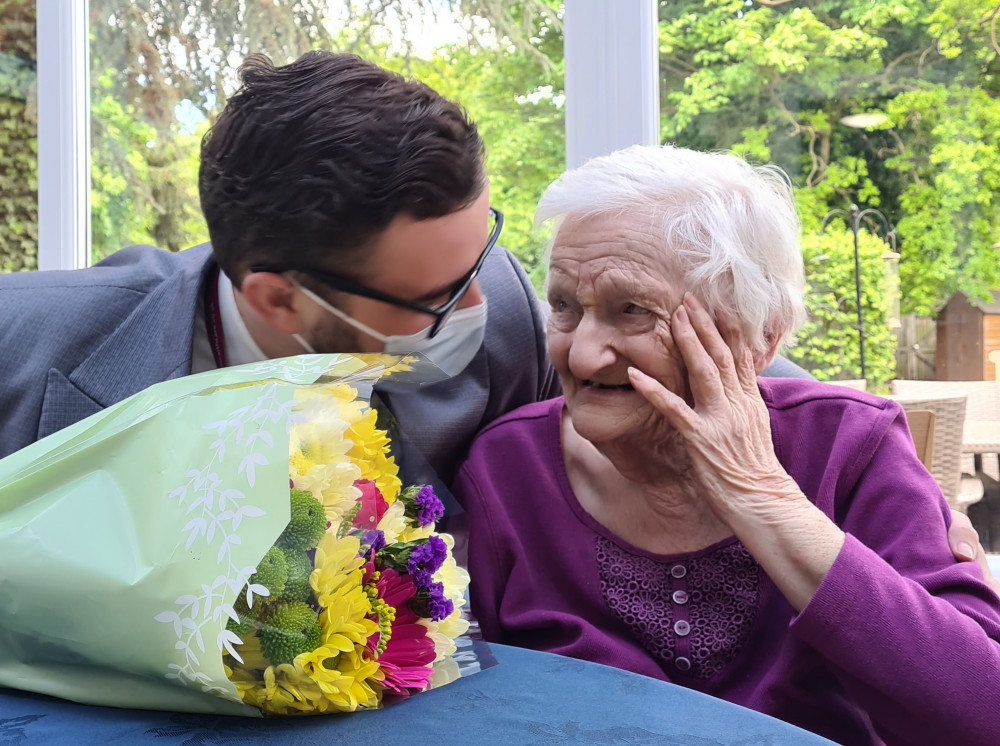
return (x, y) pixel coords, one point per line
(899, 644)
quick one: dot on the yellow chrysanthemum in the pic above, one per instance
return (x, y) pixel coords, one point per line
(319, 441)
(413, 532)
(336, 561)
(337, 583)
(318, 457)
(250, 652)
(286, 693)
(454, 578)
(357, 687)
(393, 522)
(370, 451)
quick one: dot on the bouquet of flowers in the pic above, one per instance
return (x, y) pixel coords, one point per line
(237, 542)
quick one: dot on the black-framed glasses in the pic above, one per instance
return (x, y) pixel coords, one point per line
(440, 313)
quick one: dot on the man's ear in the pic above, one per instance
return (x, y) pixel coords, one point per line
(274, 299)
(763, 358)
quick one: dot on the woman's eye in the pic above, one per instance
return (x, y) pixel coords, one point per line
(558, 305)
(633, 308)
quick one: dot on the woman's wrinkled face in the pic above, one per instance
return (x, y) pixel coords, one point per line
(612, 290)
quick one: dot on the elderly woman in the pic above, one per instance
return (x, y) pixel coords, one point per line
(772, 542)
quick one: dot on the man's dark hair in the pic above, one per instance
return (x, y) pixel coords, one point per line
(309, 162)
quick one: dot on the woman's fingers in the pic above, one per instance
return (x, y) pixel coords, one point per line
(712, 369)
(667, 403)
(732, 333)
(702, 372)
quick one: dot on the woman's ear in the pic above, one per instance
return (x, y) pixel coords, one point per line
(274, 299)
(763, 358)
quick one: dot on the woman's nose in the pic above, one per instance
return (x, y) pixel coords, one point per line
(591, 350)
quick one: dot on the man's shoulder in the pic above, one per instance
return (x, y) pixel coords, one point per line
(504, 282)
(514, 349)
(136, 268)
(63, 315)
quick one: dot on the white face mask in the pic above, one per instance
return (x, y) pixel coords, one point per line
(451, 349)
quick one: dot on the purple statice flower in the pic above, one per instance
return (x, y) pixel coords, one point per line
(374, 539)
(429, 508)
(438, 606)
(422, 578)
(425, 560)
(427, 556)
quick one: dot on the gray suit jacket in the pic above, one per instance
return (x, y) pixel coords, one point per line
(75, 342)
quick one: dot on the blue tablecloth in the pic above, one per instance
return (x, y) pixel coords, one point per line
(529, 698)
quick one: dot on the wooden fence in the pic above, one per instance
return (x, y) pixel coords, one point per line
(915, 348)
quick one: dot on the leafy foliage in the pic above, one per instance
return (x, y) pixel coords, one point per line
(828, 342)
(18, 138)
(779, 82)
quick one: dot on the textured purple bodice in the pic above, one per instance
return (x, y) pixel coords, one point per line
(693, 616)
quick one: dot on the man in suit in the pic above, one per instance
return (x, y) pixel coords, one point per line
(348, 211)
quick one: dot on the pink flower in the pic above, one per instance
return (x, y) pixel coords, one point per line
(373, 505)
(407, 659)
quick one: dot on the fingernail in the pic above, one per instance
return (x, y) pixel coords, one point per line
(637, 374)
(966, 550)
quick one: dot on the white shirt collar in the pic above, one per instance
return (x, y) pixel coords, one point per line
(240, 347)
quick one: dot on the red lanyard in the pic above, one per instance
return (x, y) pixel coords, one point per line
(213, 319)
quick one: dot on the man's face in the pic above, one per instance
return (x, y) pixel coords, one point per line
(415, 260)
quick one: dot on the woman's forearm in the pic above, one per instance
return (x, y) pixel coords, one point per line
(791, 539)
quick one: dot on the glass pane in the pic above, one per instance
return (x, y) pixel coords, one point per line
(162, 69)
(18, 138)
(892, 108)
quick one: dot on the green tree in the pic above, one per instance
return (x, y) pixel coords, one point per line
(517, 106)
(18, 138)
(779, 81)
(828, 341)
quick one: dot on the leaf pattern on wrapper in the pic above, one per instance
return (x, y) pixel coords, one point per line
(215, 512)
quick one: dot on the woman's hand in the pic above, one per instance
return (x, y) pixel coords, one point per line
(728, 437)
(727, 431)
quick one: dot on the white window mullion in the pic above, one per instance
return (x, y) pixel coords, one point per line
(612, 76)
(63, 134)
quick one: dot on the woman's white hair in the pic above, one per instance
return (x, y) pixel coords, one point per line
(730, 227)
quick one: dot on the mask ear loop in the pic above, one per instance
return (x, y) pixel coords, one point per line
(374, 334)
(305, 345)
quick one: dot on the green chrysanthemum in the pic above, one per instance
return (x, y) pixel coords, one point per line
(307, 524)
(289, 629)
(300, 567)
(272, 572)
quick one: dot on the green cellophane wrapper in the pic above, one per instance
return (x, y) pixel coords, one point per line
(125, 537)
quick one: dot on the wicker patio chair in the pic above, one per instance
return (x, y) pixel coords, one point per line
(921, 422)
(858, 384)
(959, 490)
(982, 397)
